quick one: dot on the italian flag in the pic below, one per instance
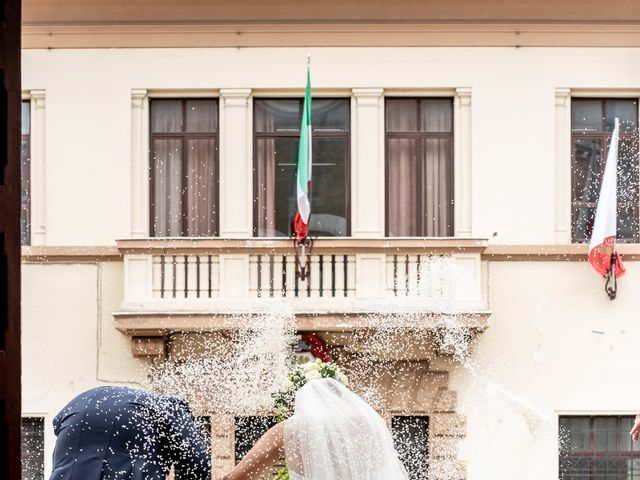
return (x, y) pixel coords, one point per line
(303, 176)
(603, 238)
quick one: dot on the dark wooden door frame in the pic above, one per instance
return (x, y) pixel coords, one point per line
(10, 111)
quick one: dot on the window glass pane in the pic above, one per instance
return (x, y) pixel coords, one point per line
(627, 224)
(587, 170)
(605, 433)
(277, 115)
(403, 186)
(583, 223)
(248, 431)
(203, 425)
(25, 192)
(626, 110)
(201, 188)
(628, 170)
(167, 188)
(610, 456)
(632, 469)
(628, 190)
(275, 203)
(436, 115)
(166, 116)
(575, 468)
(183, 165)
(401, 115)
(276, 163)
(330, 115)
(329, 187)
(626, 444)
(32, 448)
(437, 187)
(420, 168)
(586, 115)
(202, 115)
(25, 175)
(25, 123)
(576, 433)
(411, 440)
(608, 467)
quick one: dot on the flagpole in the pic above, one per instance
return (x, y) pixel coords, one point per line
(303, 252)
(302, 242)
(602, 247)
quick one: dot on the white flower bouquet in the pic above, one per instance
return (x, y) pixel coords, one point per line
(297, 378)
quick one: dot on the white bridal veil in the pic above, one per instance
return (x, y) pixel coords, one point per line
(335, 435)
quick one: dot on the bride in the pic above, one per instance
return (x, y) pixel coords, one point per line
(333, 435)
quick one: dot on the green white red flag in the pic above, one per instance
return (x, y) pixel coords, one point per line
(303, 176)
(603, 239)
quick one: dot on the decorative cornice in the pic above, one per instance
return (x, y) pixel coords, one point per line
(330, 34)
(235, 97)
(574, 252)
(367, 96)
(75, 254)
(154, 324)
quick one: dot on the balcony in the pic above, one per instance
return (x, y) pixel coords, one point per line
(199, 285)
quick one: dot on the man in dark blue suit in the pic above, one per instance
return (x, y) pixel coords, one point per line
(118, 433)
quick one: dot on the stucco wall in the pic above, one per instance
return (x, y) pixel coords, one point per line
(557, 342)
(69, 343)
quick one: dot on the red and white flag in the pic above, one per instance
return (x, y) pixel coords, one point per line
(603, 238)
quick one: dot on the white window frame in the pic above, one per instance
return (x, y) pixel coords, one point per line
(38, 179)
(462, 161)
(294, 93)
(140, 141)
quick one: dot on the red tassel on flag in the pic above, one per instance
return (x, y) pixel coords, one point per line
(300, 228)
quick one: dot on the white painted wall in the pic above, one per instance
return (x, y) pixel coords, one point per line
(69, 343)
(559, 343)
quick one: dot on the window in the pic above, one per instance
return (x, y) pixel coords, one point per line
(592, 123)
(248, 432)
(203, 424)
(184, 168)
(598, 448)
(419, 165)
(277, 130)
(25, 174)
(32, 448)
(411, 440)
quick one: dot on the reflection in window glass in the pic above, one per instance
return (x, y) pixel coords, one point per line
(591, 126)
(598, 448)
(184, 167)
(25, 174)
(203, 424)
(277, 130)
(411, 440)
(419, 153)
(248, 431)
(32, 448)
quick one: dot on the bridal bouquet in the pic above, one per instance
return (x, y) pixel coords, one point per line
(297, 378)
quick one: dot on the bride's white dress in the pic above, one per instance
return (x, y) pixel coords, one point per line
(335, 435)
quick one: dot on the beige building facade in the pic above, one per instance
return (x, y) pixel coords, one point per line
(527, 97)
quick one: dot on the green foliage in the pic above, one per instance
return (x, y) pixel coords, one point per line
(281, 474)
